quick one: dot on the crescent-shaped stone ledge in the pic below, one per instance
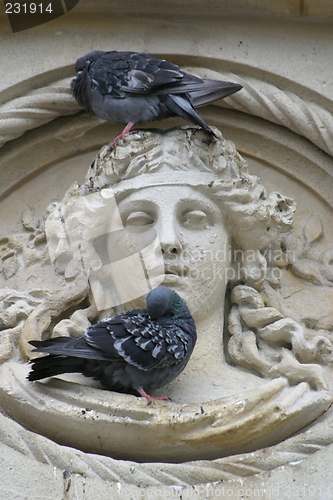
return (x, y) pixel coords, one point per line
(124, 427)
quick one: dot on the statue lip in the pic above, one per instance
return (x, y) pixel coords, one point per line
(174, 274)
(174, 270)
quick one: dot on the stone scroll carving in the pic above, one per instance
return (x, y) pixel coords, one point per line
(260, 370)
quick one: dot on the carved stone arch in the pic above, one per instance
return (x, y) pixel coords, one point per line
(296, 107)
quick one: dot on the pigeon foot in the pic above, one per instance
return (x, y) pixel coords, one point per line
(126, 131)
(149, 398)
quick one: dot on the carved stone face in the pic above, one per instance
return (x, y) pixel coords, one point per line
(193, 238)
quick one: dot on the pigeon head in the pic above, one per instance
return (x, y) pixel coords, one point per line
(88, 58)
(163, 301)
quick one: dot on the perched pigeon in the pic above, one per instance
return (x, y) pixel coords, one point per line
(138, 351)
(130, 87)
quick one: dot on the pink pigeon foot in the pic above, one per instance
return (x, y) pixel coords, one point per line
(126, 130)
(149, 398)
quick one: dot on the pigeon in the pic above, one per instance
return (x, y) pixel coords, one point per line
(132, 87)
(135, 352)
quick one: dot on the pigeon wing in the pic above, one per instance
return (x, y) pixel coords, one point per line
(140, 341)
(95, 343)
(121, 73)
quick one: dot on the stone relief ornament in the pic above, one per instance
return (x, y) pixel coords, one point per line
(179, 208)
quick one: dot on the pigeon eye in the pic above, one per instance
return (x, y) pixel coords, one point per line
(139, 219)
(195, 219)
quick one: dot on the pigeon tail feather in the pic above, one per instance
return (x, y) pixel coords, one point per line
(180, 105)
(50, 366)
(211, 91)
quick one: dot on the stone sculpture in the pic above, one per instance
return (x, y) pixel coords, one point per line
(259, 372)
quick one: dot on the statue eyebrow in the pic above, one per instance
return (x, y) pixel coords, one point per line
(192, 204)
(127, 207)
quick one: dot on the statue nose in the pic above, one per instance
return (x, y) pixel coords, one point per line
(170, 250)
(169, 239)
